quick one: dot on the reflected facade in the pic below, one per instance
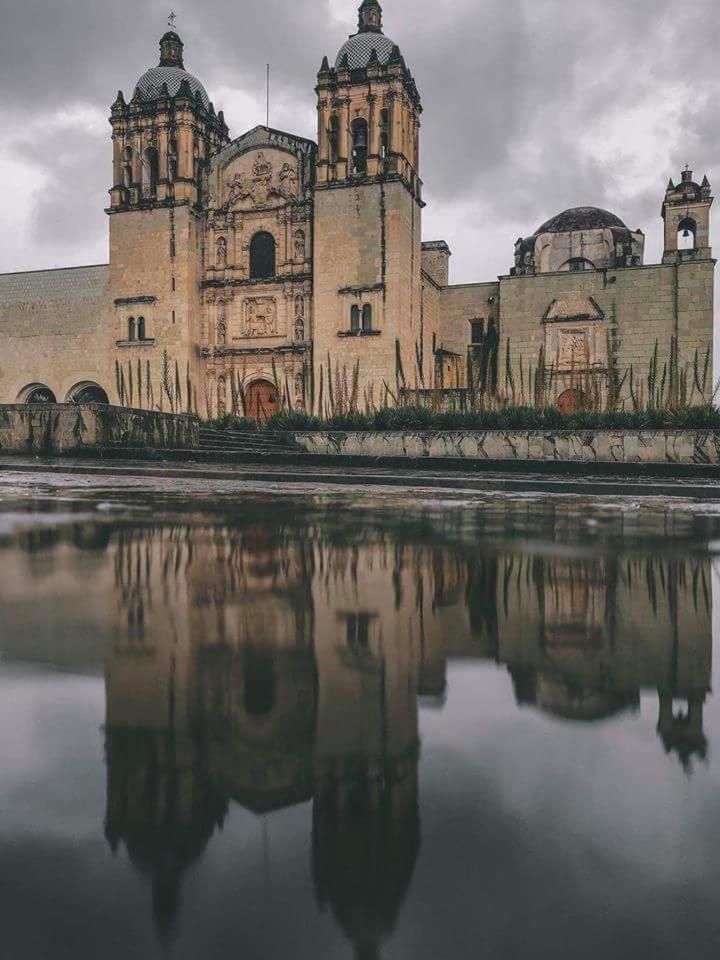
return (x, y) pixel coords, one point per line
(279, 664)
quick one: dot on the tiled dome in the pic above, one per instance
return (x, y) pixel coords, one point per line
(359, 49)
(581, 218)
(151, 83)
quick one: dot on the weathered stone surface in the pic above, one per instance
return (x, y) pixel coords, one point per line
(69, 428)
(602, 446)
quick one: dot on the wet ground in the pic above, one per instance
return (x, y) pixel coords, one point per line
(243, 716)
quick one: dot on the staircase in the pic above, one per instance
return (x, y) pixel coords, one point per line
(246, 446)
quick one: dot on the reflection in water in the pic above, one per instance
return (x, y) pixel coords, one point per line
(279, 664)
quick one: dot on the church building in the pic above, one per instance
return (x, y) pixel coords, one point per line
(272, 271)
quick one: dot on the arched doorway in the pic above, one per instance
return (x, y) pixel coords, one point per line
(262, 400)
(88, 393)
(37, 393)
(571, 401)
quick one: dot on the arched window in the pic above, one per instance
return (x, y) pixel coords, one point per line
(141, 328)
(39, 393)
(367, 317)
(262, 256)
(333, 139)
(355, 319)
(88, 393)
(359, 132)
(384, 133)
(131, 328)
(578, 264)
(687, 234)
(150, 173)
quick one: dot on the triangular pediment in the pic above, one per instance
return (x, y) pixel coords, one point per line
(574, 306)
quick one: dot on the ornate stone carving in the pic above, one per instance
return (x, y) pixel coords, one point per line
(299, 306)
(222, 252)
(288, 182)
(262, 186)
(260, 318)
(573, 349)
(300, 330)
(299, 243)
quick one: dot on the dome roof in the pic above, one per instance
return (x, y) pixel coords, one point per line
(359, 49)
(582, 218)
(150, 84)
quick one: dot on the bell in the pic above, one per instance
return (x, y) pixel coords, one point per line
(686, 233)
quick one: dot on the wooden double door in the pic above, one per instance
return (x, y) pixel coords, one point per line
(262, 400)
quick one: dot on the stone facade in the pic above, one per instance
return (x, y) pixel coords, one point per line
(270, 270)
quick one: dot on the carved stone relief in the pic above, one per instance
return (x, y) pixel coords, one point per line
(261, 183)
(574, 350)
(260, 319)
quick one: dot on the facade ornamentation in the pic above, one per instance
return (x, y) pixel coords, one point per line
(260, 318)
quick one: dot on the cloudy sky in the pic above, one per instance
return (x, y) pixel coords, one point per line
(531, 106)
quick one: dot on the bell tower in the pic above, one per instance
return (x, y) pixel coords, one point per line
(368, 203)
(686, 212)
(162, 141)
(162, 137)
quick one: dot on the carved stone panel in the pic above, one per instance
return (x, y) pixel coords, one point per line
(259, 180)
(260, 318)
(574, 349)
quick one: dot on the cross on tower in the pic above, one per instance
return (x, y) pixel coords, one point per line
(171, 20)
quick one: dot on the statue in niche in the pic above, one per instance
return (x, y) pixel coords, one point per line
(221, 334)
(299, 306)
(299, 245)
(221, 397)
(300, 391)
(222, 252)
(288, 182)
(300, 330)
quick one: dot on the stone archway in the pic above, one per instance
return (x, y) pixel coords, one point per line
(88, 392)
(37, 393)
(571, 401)
(262, 400)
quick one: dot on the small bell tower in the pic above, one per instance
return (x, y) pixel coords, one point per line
(686, 212)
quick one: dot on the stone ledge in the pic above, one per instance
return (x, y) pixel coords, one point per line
(582, 446)
(69, 428)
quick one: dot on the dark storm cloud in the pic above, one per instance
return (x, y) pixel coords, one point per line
(530, 105)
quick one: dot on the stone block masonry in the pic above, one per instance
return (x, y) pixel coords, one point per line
(55, 429)
(600, 446)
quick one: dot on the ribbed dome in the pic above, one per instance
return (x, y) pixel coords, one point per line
(581, 218)
(359, 49)
(151, 83)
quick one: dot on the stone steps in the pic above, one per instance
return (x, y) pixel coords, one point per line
(241, 442)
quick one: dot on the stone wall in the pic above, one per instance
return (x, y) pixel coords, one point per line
(54, 332)
(634, 308)
(602, 446)
(69, 428)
